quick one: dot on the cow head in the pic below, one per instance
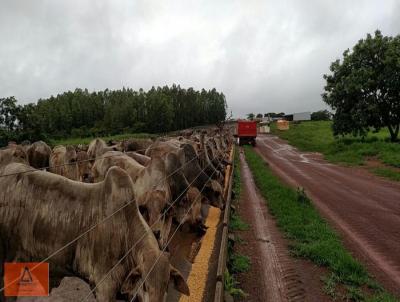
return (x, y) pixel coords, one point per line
(14, 154)
(84, 167)
(188, 210)
(149, 279)
(71, 167)
(153, 207)
(118, 147)
(176, 178)
(20, 155)
(214, 193)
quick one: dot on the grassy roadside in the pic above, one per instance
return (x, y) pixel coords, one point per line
(312, 238)
(87, 140)
(318, 137)
(237, 263)
(387, 173)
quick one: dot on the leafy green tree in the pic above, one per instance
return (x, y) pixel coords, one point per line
(364, 87)
(8, 113)
(160, 113)
(9, 123)
(250, 116)
(273, 114)
(321, 115)
(259, 115)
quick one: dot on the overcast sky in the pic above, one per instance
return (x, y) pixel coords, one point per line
(264, 55)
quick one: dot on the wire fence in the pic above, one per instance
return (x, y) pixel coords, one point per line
(164, 248)
(143, 235)
(116, 211)
(81, 161)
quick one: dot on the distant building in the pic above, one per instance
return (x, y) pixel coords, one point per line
(263, 125)
(301, 116)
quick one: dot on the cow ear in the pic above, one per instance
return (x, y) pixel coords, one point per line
(157, 234)
(131, 282)
(205, 200)
(179, 283)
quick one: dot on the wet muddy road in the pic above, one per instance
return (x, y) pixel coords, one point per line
(364, 209)
(274, 276)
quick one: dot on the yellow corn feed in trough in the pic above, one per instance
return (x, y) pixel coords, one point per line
(198, 276)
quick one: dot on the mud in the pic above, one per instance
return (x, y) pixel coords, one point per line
(274, 275)
(363, 208)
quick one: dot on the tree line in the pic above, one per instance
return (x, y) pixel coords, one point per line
(251, 116)
(321, 115)
(81, 113)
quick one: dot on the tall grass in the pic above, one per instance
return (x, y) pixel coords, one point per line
(311, 237)
(236, 263)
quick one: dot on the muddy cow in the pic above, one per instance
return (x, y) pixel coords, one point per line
(39, 155)
(187, 211)
(136, 144)
(150, 185)
(63, 161)
(212, 189)
(140, 158)
(84, 166)
(13, 154)
(98, 147)
(34, 204)
(187, 160)
(187, 198)
(193, 142)
(182, 189)
(205, 161)
(221, 149)
(217, 157)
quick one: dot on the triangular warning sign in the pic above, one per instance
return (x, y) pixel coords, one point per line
(26, 276)
(26, 279)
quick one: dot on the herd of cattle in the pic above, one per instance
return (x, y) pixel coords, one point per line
(105, 211)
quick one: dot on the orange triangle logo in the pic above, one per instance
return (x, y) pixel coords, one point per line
(26, 276)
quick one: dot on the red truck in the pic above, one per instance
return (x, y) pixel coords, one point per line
(246, 132)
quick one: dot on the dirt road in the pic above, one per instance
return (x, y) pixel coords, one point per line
(274, 275)
(364, 209)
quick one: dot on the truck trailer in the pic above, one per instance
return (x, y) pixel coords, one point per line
(246, 132)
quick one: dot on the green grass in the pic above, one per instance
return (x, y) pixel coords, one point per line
(237, 224)
(318, 137)
(387, 173)
(236, 263)
(310, 236)
(87, 140)
(236, 187)
(230, 285)
(239, 263)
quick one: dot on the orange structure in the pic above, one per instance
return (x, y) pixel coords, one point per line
(282, 125)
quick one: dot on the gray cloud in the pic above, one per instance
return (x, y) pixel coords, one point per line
(264, 55)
